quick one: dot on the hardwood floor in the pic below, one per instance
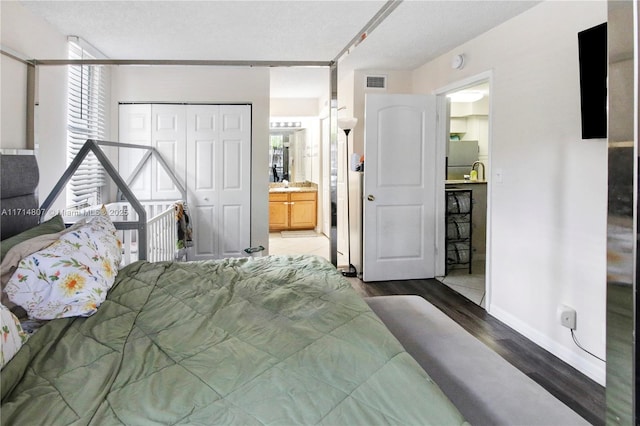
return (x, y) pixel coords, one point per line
(583, 395)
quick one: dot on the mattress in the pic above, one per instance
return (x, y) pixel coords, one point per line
(268, 340)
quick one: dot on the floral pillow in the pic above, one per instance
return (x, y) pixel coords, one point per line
(13, 337)
(71, 277)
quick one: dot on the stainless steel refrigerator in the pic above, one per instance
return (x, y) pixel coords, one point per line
(461, 155)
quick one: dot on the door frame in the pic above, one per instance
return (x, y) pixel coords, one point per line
(441, 149)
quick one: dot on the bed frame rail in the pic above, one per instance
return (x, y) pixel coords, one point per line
(92, 145)
(161, 230)
(161, 236)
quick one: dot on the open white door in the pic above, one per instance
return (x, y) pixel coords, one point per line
(399, 187)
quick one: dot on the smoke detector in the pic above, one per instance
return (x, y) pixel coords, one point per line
(457, 62)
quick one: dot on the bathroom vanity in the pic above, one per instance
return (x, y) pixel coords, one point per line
(292, 208)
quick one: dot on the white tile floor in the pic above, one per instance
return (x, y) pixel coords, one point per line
(471, 286)
(318, 245)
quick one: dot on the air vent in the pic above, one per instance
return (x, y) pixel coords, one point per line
(376, 82)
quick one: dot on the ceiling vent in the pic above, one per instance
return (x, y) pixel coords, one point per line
(378, 82)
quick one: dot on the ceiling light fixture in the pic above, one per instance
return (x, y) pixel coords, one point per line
(466, 96)
(285, 124)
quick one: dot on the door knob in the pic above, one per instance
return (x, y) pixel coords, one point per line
(371, 197)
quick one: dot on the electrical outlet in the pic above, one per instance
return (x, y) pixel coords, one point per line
(567, 316)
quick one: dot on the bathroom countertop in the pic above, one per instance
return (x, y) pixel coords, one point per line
(463, 182)
(294, 189)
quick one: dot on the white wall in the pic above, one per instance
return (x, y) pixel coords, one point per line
(297, 107)
(212, 85)
(13, 125)
(548, 215)
(346, 96)
(32, 37)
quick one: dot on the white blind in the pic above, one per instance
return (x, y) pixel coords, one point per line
(86, 120)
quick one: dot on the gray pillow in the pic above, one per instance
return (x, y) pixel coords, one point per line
(51, 226)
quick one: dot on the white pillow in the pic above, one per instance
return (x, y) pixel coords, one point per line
(13, 337)
(71, 277)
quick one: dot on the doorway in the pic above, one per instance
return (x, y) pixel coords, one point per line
(467, 163)
(295, 184)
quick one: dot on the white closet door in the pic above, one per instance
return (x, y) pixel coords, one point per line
(218, 179)
(209, 148)
(202, 177)
(235, 179)
(135, 128)
(169, 138)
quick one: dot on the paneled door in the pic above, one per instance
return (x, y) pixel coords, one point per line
(399, 187)
(163, 127)
(209, 148)
(135, 128)
(168, 136)
(218, 178)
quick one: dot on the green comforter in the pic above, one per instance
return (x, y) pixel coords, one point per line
(271, 340)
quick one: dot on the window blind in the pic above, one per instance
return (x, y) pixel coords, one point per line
(87, 107)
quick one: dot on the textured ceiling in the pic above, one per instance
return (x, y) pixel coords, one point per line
(419, 31)
(219, 30)
(414, 33)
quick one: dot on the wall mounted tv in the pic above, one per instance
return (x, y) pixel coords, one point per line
(592, 48)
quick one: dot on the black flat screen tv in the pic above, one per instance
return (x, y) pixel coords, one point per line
(592, 49)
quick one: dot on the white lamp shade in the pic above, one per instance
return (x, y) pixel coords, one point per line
(347, 123)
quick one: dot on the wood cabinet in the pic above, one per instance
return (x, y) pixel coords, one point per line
(458, 125)
(302, 210)
(292, 210)
(278, 211)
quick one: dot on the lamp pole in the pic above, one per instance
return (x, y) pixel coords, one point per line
(347, 125)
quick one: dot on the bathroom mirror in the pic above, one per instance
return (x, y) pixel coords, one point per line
(292, 154)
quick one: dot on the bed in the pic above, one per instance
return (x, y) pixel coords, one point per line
(264, 340)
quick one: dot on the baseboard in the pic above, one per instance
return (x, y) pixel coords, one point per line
(595, 370)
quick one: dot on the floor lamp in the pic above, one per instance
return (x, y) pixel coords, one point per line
(347, 124)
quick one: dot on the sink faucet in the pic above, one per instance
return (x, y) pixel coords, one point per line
(475, 166)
